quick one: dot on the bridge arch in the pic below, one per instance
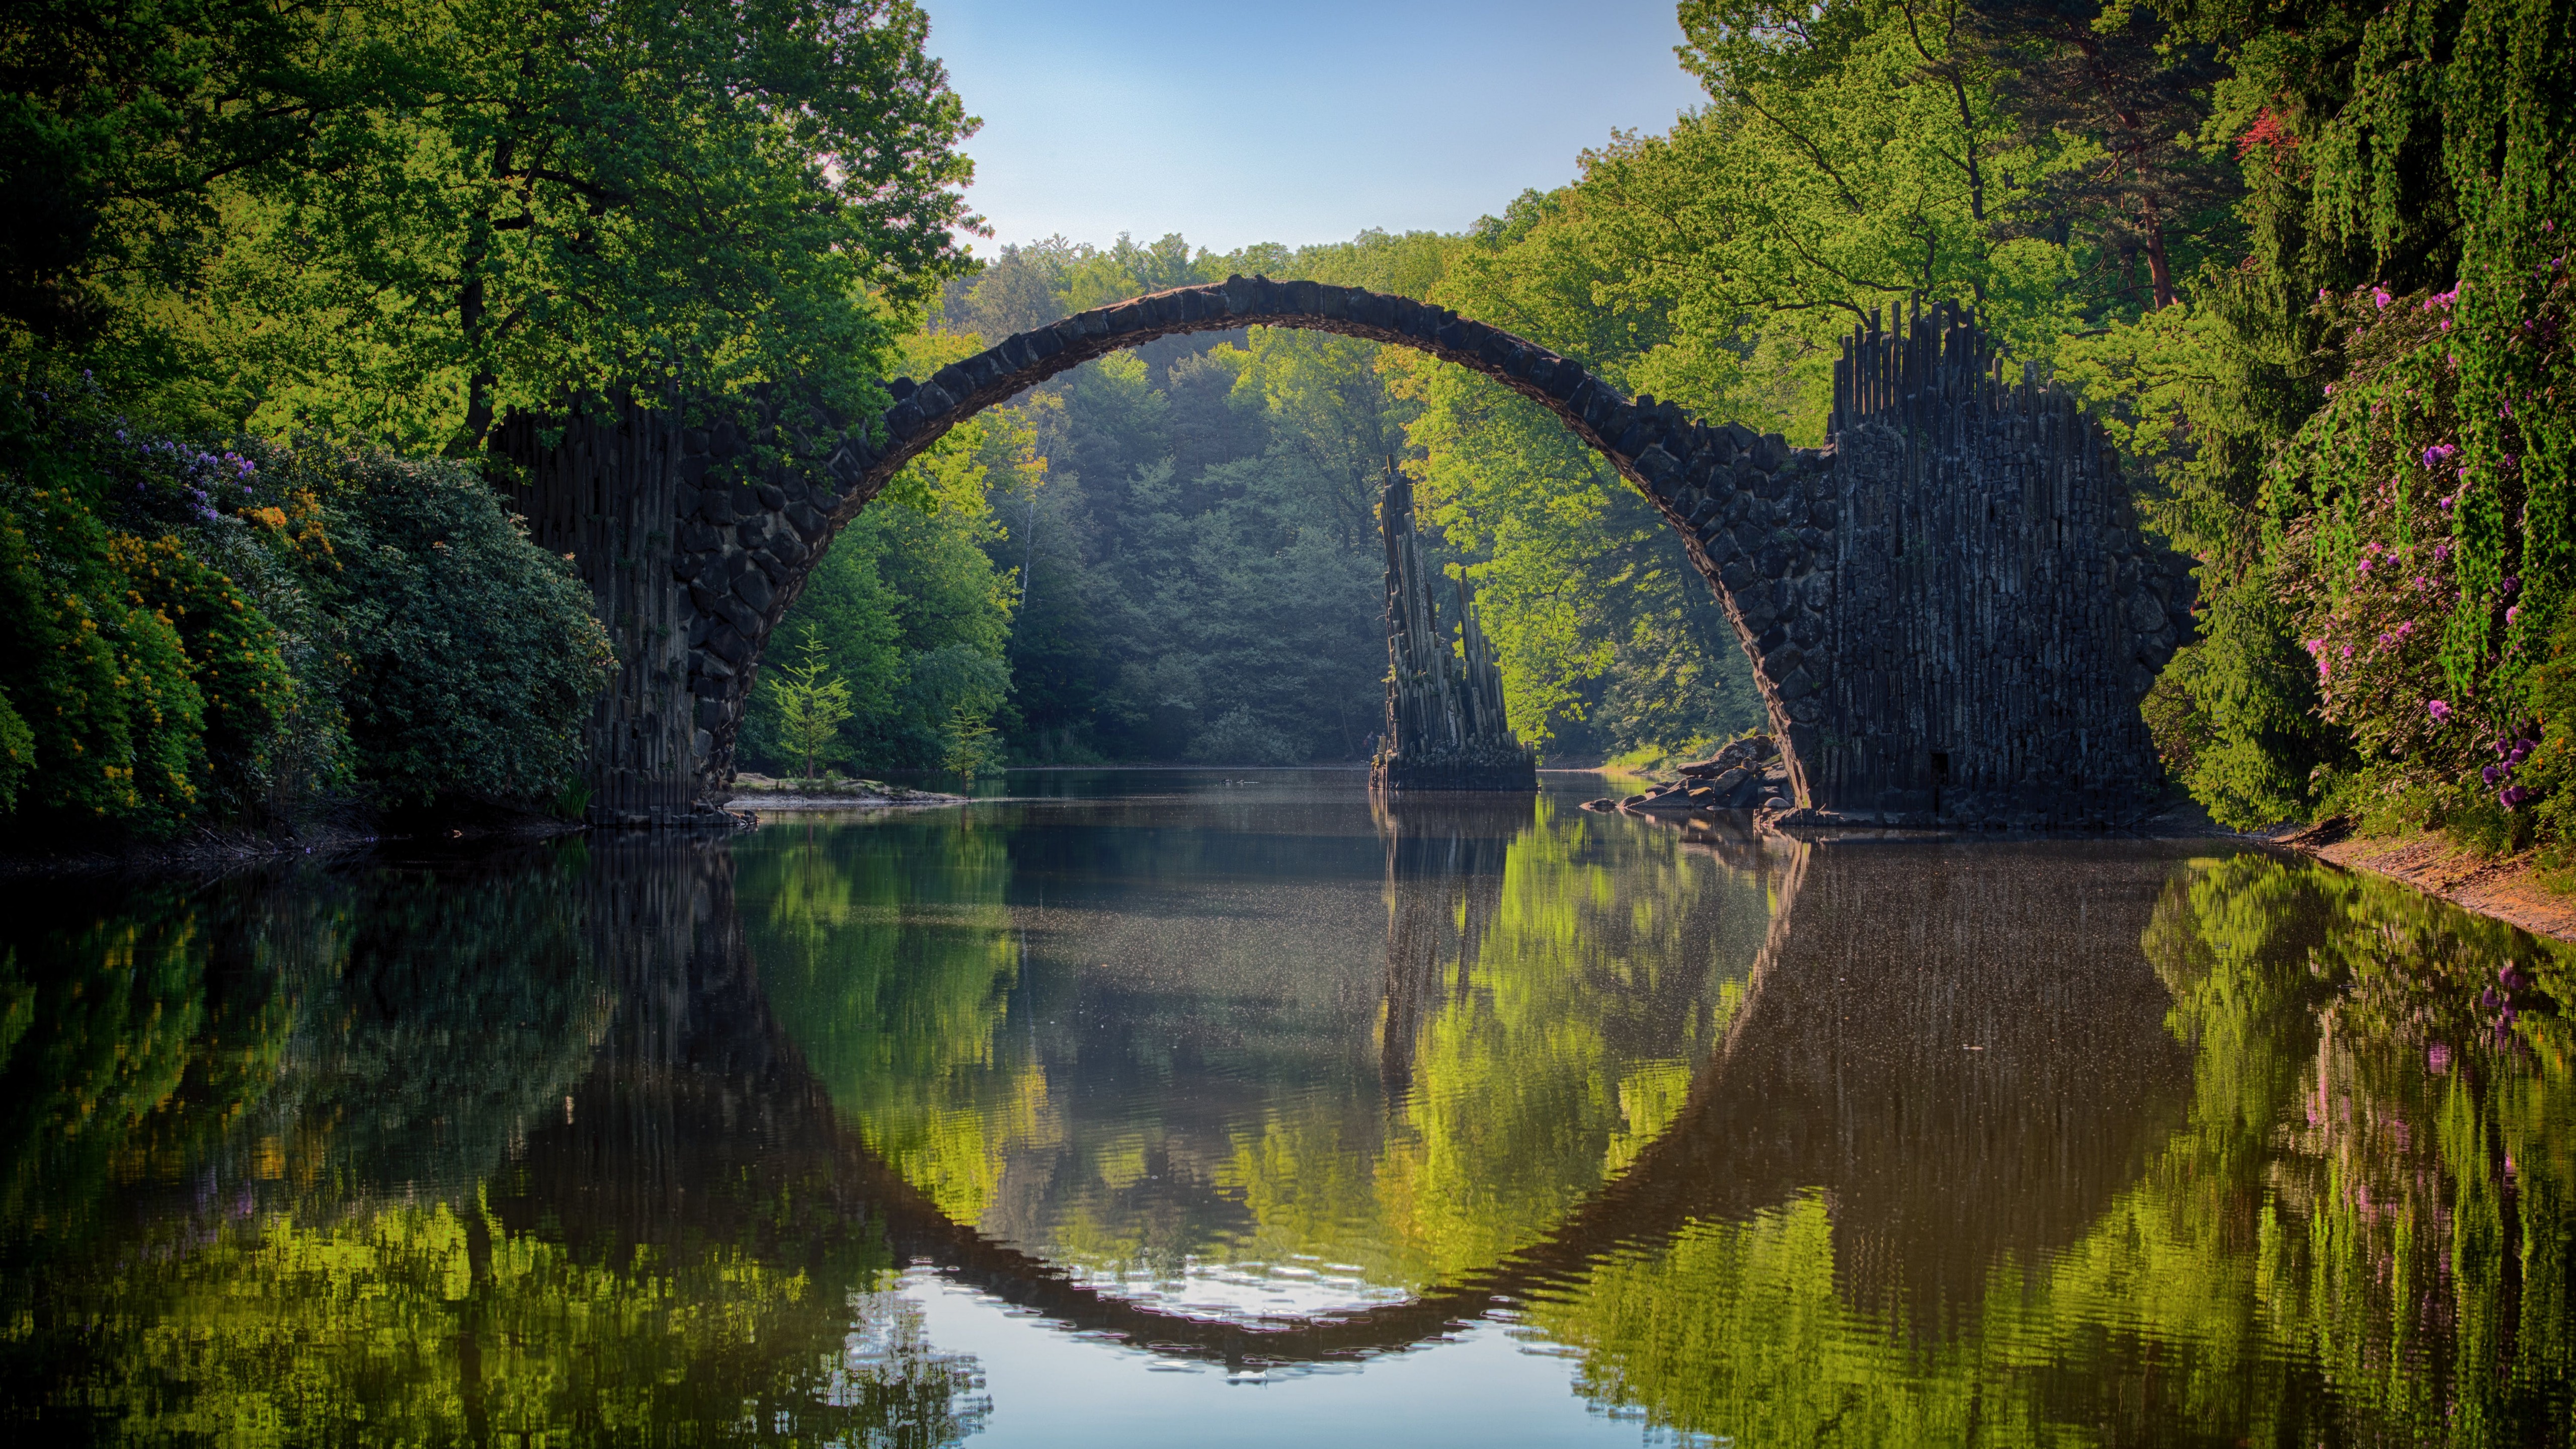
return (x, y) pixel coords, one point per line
(1687, 470)
(1949, 610)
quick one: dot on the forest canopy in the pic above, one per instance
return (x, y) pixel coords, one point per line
(269, 276)
(2305, 261)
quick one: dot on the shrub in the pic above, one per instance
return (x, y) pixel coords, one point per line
(104, 721)
(251, 634)
(473, 654)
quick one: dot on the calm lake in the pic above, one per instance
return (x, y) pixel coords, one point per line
(1154, 1108)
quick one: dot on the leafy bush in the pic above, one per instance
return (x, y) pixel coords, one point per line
(104, 722)
(473, 654)
(252, 634)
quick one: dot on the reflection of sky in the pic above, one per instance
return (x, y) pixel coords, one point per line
(1204, 1289)
(1050, 1388)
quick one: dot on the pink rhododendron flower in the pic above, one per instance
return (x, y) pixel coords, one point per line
(2440, 710)
(2380, 296)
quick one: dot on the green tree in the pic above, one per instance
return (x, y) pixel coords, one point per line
(812, 704)
(973, 748)
(123, 125)
(644, 201)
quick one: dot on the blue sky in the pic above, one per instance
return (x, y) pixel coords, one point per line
(1299, 123)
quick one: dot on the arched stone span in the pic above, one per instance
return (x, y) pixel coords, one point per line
(1949, 611)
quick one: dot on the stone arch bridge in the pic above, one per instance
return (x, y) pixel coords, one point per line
(1950, 611)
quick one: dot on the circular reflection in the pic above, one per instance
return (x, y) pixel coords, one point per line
(1302, 1062)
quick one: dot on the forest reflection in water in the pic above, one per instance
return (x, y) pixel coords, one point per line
(1864, 1141)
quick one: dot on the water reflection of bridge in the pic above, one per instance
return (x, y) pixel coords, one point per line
(1960, 1046)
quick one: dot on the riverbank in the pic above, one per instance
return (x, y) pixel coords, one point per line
(2508, 888)
(761, 792)
(216, 851)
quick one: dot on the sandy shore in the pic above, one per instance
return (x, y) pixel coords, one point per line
(2506, 887)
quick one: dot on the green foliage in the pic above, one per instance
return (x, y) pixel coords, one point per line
(909, 609)
(337, 222)
(473, 654)
(110, 721)
(813, 704)
(2360, 425)
(233, 657)
(119, 122)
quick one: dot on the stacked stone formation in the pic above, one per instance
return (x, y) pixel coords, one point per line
(1742, 776)
(1445, 726)
(736, 512)
(1997, 615)
(1950, 613)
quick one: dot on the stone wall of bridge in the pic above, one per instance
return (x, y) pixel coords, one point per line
(1949, 610)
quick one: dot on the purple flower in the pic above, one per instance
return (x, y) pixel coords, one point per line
(2387, 639)
(2380, 296)
(2438, 452)
(2364, 567)
(2489, 774)
(2440, 710)
(2512, 582)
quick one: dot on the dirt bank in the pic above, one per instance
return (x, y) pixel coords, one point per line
(2507, 888)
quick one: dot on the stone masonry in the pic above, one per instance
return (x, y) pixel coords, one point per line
(1949, 610)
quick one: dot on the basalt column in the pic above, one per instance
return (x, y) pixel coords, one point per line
(1988, 613)
(602, 495)
(694, 537)
(1445, 728)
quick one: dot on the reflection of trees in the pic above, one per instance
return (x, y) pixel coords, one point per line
(1545, 1014)
(2332, 1245)
(451, 1004)
(669, 1248)
(125, 1054)
(888, 951)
